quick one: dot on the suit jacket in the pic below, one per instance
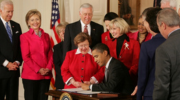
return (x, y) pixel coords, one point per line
(129, 55)
(80, 67)
(146, 69)
(58, 60)
(118, 79)
(75, 28)
(167, 71)
(36, 53)
(134, 36)
(9, 51)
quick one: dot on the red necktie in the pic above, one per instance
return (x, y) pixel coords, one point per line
(85, 29)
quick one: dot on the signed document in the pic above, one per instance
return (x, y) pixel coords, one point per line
(80, 90)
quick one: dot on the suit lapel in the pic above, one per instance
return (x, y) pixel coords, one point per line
(13, 30)
(109, 68)
(3, 31)
(93, 29)
(78, 28)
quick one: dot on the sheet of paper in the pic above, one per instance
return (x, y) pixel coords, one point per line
(73, 90)
(87, 92)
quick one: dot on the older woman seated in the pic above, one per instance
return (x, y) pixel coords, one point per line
(79, 65)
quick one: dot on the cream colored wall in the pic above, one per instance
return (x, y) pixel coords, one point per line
(145, 4)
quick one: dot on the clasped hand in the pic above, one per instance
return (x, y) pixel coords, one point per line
(12, 66)
(44, 71)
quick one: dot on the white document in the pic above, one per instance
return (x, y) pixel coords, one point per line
(80, 90)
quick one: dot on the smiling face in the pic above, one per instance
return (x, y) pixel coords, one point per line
(115, 31)
(84, 47)
(141, 27)
(7, 12)
(86, 15)
(34, 22)
(100, 58)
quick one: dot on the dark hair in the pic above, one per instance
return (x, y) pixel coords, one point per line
(81, 37)
(151, 17)
(101, 47)
(146, 10)
(110, 16)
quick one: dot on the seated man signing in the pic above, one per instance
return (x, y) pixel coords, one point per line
(117, 78)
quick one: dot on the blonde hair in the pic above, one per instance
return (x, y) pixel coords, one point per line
(61, 25)
(120, 23)
(31, 13)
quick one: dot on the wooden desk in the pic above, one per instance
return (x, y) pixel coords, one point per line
(56, 95)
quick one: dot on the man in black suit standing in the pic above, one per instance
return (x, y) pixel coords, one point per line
(83, 25)
(117, 78)
(10, 54)
(167, 57)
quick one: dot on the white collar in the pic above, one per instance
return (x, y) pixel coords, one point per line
(4, 22)
(107, 64)
(88, 25)
(78, 51)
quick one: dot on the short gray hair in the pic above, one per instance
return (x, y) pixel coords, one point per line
(168, 16)
(85, 5)
(172, 3)
(5, 2)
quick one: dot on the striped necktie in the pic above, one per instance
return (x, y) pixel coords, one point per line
(8, 29)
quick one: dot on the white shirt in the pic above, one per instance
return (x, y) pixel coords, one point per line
(88, 27)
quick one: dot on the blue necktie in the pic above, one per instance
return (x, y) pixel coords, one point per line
(8, 29)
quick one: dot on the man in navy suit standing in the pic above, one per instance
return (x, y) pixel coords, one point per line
(83, 25)
(10, 54)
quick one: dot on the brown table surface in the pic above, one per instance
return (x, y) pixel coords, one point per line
(100, 96)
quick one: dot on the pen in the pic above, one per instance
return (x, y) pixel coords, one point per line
(82, 81)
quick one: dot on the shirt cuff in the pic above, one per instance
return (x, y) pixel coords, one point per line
(5, 63)
(96, 81)
(90, 87)
(17, 62)
(67, 82)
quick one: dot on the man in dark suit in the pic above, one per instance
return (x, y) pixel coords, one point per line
(117, 78)
(167, 57)
(10, 54)
(83, 25)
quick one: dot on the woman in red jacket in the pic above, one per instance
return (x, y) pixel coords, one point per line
(142, 34)
(123, 48)
(79, 65)
(107, 19)
(38, 58)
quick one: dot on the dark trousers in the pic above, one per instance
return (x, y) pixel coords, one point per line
(9, 87)
(147, 97)
(35, 89)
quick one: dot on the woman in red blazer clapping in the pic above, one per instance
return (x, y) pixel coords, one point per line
(123, 48)
(79, 65)
(38, 58)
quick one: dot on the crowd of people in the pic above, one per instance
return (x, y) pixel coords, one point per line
(145, 63)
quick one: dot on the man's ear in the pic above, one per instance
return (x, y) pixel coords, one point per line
(105, 52)
(164, 25)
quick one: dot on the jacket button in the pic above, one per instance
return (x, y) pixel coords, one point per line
(83, 55)
(82, 68)
(81, 76)
(119, 56)
(82, 61)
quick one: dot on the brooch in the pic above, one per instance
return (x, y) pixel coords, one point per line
(126, 46)
(106, 39)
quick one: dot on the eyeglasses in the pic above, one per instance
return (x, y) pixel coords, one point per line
(85, 45)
